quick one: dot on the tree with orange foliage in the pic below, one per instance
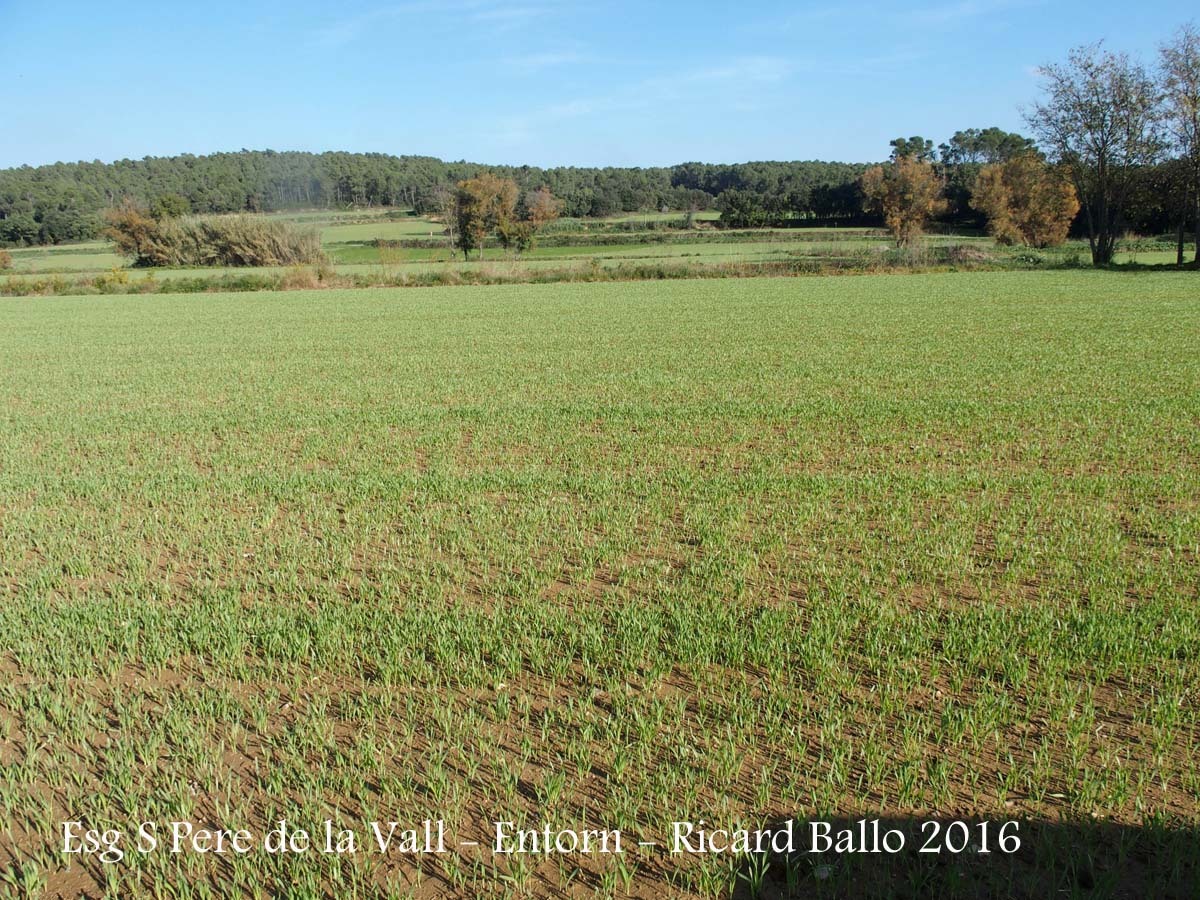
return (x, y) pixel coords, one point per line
(141, 237)
(539, 208)
(483, 204)
(542, 207)
(1026, 201)
(907, 192)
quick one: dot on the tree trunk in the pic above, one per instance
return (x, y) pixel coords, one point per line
(1179, 241)
(1093, 242)
(1104, 249)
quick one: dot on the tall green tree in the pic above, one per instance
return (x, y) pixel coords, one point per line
(742, 209)
(918, 148)
(986, 146)
(963, 156)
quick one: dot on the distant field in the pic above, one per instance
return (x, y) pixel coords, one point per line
(348, 237)
(704, 215)
(328, 216)
(704, 251)
(349, 250)
(616, 554)
(385, 230)
(92, 257)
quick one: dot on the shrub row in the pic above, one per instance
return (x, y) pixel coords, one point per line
(237, 240)
(118, 281)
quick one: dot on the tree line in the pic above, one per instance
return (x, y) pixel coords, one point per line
(1115, 141)
(66, 201)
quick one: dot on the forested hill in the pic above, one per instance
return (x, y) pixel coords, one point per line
(64, 201)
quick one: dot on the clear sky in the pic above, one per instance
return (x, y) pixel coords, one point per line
(543, 82)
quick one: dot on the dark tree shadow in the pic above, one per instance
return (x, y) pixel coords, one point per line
(1081, 860)
(1136, 268)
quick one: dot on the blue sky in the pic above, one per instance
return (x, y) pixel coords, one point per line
(543, 82)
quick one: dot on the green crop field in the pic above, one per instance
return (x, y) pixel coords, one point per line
(741, 250)
(707, 215)
(91, 257)
(385, 229)
(604, 555)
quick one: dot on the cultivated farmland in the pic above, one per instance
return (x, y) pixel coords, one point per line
(605, 556)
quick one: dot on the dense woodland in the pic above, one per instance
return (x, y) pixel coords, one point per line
(62, 202)
(65, 201)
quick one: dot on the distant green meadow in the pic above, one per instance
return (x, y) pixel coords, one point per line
(351, 240)
(606, 555)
